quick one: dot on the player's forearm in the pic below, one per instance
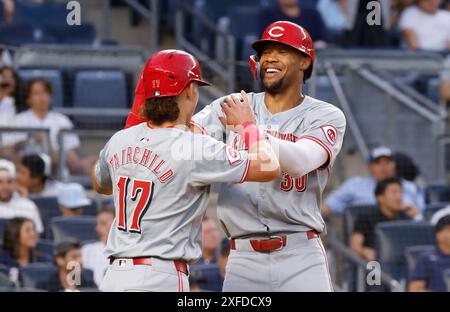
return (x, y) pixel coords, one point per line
(264, 164)
(99, 189)
(298, 159)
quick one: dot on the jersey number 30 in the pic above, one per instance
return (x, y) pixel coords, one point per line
(139, 188)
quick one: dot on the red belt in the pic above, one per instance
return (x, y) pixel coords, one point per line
(273, 243)
(180, 265)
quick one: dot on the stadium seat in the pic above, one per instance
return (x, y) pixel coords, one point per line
(391, 240)
(437, 193)
(45, 247)
(54, 76)
(37, 273)
(48, 208)
(40, 13)
(431, 209)
(65, 34)
(74, 228)
(243, 20)
(412, 253)
(16, 34)
(351, 214)
(2, 229)
(100, 89)
(208, 276)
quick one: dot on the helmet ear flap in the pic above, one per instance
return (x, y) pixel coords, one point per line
(253, 63)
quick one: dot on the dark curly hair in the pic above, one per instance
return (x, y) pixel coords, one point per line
(160, 110)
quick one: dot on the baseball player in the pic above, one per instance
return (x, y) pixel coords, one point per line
(275, 227)
(160, 176)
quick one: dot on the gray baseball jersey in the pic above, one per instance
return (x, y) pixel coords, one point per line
(160, 180)
(287, 204)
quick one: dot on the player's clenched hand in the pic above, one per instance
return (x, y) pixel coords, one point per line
(237, 111)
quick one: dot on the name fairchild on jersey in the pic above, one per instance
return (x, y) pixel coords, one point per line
(144, 157)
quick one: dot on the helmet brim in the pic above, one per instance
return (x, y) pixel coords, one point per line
(259, 45)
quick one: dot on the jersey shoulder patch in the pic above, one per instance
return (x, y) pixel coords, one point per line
(330, 133)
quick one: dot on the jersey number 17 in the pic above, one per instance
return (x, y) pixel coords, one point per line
(139, 188)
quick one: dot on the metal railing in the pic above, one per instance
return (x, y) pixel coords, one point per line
(12, 131)
(361, 264)
(225, 70)
(63, 173)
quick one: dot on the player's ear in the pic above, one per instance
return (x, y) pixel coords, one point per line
(304, 62)
(191, 90)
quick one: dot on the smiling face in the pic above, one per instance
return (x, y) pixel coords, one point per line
(281, 67)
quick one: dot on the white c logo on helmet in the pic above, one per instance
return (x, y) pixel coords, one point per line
(272, 34)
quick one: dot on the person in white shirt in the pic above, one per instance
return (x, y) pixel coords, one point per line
(424, 26)
(7, 105)
(93, 254)
(11, 203)
(33, 174)
(38, 97)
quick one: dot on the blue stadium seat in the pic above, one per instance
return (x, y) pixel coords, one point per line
(412, 253)
(54, 76)
(391, 240)
(40, 13)
(208, 275)
(37, 273)
(100, 89)
(437, 193)
(74, 228)
(16, 34)
(2, 230)
(4, 269)
(48, 208)
(431, 209)
(45, 247)
(65, 34)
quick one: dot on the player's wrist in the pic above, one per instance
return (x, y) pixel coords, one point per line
(250, 133)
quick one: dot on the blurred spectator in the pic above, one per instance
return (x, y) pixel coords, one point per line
(71, 199)
(8, 8)
(194, 280)
(397, 8)
(12, 89)
(405, 167)
(11, 204)
(93, 254)
(5, 58)
(38, 97)
(333, 14)
(291, 10)
(7, 105)
(359, 33)
(33, 177)
(225, 247)
(19, 244)
(360, 190)
(428, 275)
(68, 259)
(390, 208)
(210, 241)
(424, 26)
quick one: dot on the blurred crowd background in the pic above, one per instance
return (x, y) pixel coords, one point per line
(64, 90)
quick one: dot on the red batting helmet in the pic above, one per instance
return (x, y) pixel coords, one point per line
(289, 34)
(168, 72)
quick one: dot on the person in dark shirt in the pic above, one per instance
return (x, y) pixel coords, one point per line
(68, 259)
(19, 244)
(428, 274)
(292, 11)
(389, 195)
